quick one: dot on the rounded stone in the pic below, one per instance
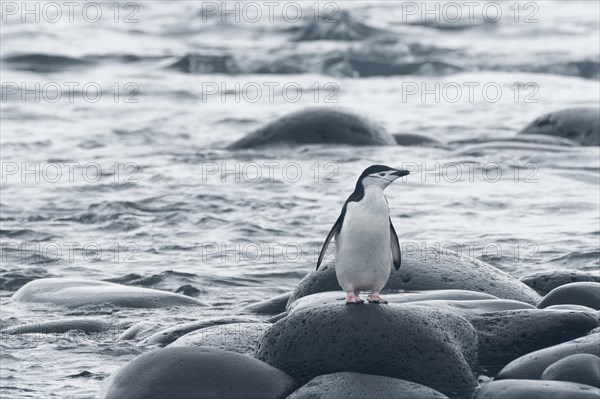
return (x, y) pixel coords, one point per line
(581, 368)
(584, 294)
(318, 126)
(191, 372)
(431, 270)
(360, 386)
(532, 365)
(530, 389)
(428, 346)
(411, 139)
(271, 306)
(74, 293)
(236, 337)
(171, 334)
(544, 282)
(506, 335)
(581, 125)
(60, 326)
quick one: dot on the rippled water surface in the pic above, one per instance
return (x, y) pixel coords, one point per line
(149, 195)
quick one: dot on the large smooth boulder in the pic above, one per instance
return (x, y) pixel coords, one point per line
(171, 334)
(87, 325)
(529, 389)
(460, 301)
(532, 365)
(74, 293)
(581, 368)
(192, 373)
(431, 270)
(506, 335)
(583, 294)
(361, 386)
(318, 126)
(271, 306)
(411, 139)
(428, 346)
(236, 337)
(581, 125)
(544, 282)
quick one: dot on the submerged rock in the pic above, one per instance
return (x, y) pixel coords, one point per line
(271, 306)
(361, 386)
(86, 325)
(544, 282)
(340, 25)
(75, 293)
(530, 389)
(581, 368)
(532, 365)
(236, 337)
(317, 126)
(189, 373)
(506, 335)
(375, 339)
(408, 139)
(431, 270)
(171, 334)
(581, 125)
(583, 294)
(206, 64)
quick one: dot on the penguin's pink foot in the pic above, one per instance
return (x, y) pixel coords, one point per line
(376, 298)
(351, 297)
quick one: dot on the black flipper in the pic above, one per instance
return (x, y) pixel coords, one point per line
(334, 232)
(395, 246)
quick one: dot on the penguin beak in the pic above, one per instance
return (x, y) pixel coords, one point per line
(400, 173)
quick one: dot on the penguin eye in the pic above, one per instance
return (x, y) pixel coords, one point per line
(382, 174)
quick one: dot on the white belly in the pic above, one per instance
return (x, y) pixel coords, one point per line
(363, 254)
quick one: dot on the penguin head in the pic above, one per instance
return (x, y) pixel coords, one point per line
(380, 176)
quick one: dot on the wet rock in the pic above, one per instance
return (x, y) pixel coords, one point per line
(44, 63)
(340, 25)
(581, 368)
(581, 125)
(583, 294)
(574, 308)
(171, 334)
(327, 298)
(79, 292)
(360, 386)
(235, 337)
(60, 326)
(408, 139)
(271, 306)
(276, 318)
(206, 64)
(507, 335)
(544, 282)
(375, 339)
(318, 126)
(532, 365)
(188, 290)
(138, 331)
(529, 389)
(185, 372)
(431, 270)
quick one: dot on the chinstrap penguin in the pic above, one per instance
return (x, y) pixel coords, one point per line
(366, 242)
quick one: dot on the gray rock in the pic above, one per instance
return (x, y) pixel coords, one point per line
(271, 306)
(236, 337)
(338, 26)
(583, 294)
(431, 270)
(410, 139)
(530, 389)
(506, 335)
(190, 373)
(544, 282)
(581, 368)
(317, 126)
(578, 124)
(74, 293)
(138, 331)
(171, 334)
(574, 308)
(376, 339)
(86, 325)
(532, 365)
(361, 386)
(327, 298)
